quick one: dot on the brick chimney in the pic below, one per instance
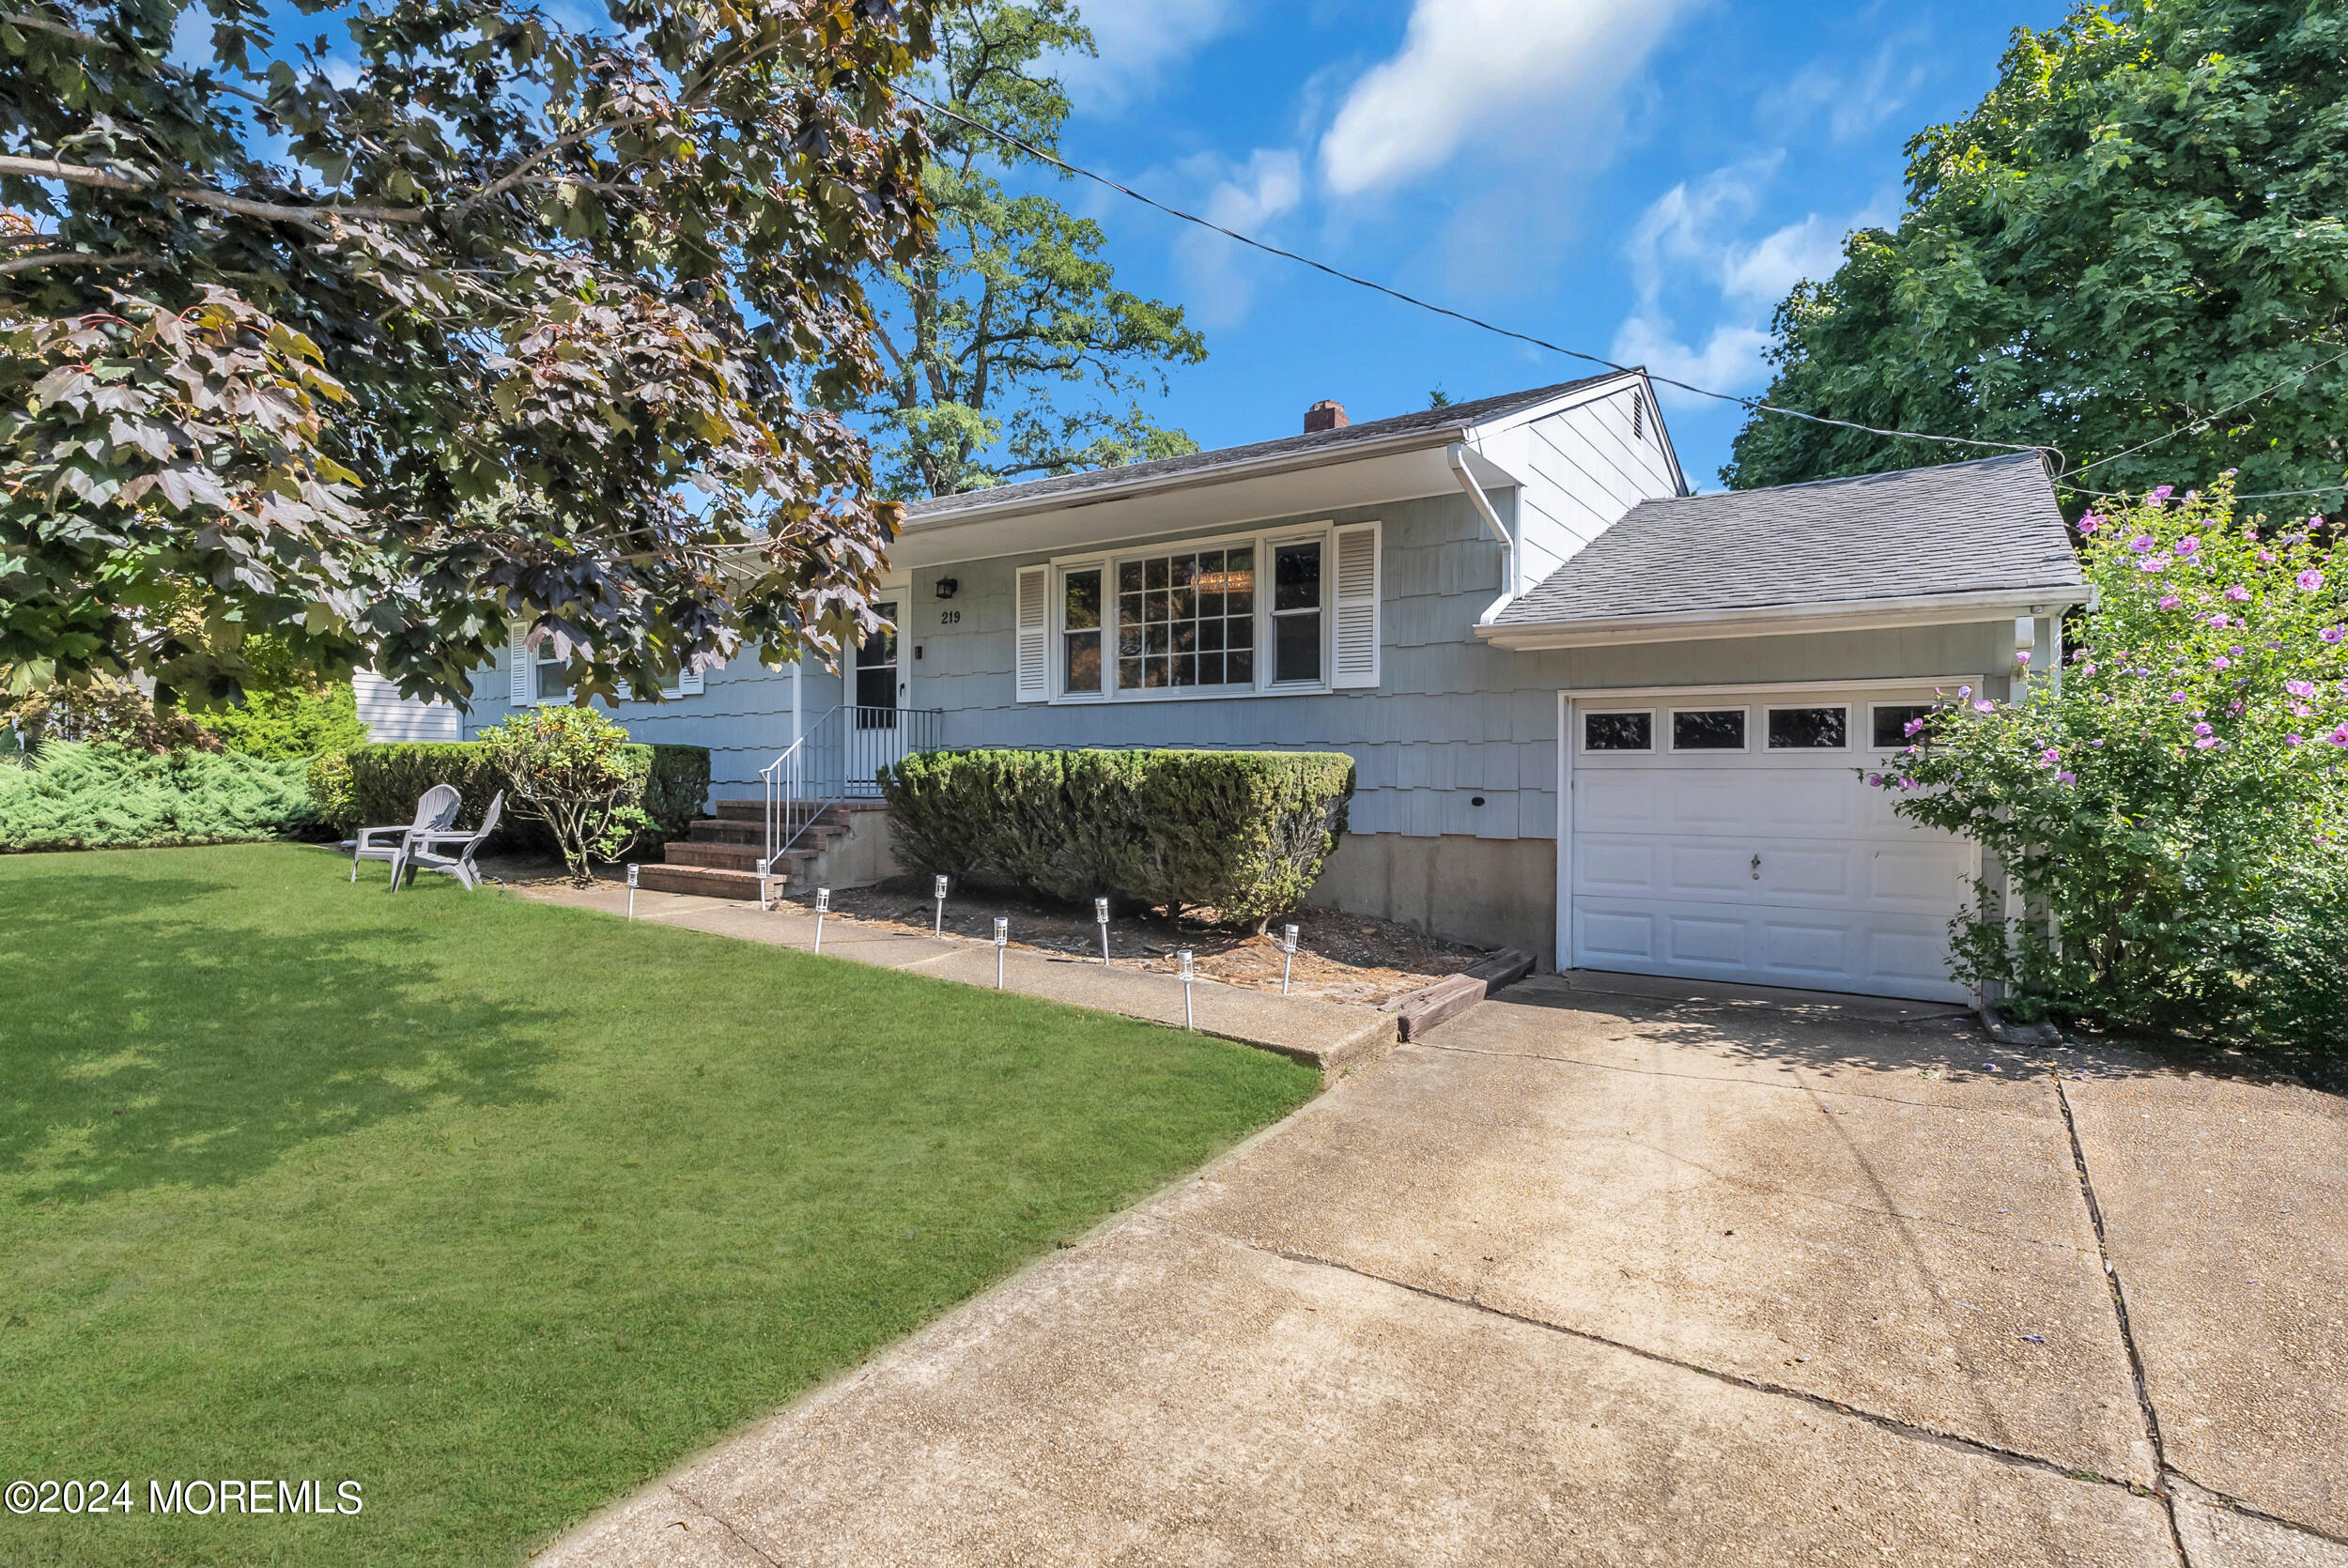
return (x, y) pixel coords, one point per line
(1327, 414)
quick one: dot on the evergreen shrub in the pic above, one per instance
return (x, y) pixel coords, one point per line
(99, 794)
(1243, 833)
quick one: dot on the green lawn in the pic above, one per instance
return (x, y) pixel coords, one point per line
(494, 1207)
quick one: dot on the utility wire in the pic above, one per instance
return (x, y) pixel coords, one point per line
(2210, 419)
(1749, 403)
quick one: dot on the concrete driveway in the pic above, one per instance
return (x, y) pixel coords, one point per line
(1615, 1271)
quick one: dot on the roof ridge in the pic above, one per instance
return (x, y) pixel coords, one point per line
(1215, 457)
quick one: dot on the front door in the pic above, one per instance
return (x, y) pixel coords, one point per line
(877, 676)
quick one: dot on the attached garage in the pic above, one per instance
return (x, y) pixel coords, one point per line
(1729, 835)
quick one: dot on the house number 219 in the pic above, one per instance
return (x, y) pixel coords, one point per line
(950, 618)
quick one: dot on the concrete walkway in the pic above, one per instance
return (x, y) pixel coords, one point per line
(1610, 1272)
(1329, 1035)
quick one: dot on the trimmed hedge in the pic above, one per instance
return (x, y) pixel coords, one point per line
(97, 795)
(385, 781)
(1244, 833)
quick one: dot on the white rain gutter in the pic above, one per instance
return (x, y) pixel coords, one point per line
(1456, 455)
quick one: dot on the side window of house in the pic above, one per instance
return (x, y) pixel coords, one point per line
(1296, 612)
(1080, 636)
(552, 682)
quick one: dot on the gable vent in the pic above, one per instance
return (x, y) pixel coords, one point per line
(1638, 418)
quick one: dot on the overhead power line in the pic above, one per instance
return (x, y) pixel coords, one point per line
(1753, 404)
(2195, 425)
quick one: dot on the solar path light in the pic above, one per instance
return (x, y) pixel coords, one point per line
(1100, 913)
(937, 926)
(1184, 956)
(631, 890)
(823, 904)
(1288, 956)
(1002, 940)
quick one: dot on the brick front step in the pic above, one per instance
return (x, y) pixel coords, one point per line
(708, 882)
(719, 830)
(719, 858)
(754, 812)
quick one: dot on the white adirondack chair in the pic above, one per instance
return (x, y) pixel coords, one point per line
(449, 851)
(435, 810)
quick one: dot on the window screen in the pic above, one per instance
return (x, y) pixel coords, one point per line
(1296, 612)
(1618, 733)
(1708, 730)
(1809, 729)
(1080, 632)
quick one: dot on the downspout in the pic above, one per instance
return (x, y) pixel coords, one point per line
(1457, 455)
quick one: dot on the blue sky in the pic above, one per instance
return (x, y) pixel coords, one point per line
(1642, 179)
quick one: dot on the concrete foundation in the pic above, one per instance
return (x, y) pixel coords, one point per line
(1492, 892)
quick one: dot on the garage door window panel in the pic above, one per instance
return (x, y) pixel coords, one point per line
(1621, 731)
(1825, 729)
(1708, 729)
(1891, 726)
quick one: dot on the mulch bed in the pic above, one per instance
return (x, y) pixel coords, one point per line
(1339, 957)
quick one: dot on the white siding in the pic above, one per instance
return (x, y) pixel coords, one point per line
(390, 716)
(1582, 469)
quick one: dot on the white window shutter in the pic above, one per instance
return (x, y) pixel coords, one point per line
(695, 679)
(518, 655)
(1356, 660)
(1034, 633)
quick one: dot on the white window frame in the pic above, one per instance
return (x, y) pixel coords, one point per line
(1581, 733)
(1262, 541)
(1848, 735)
(1677, 749)
(1056, 647)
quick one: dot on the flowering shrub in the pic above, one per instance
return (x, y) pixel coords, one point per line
(2173, 817)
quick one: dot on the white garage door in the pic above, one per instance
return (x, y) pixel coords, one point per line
(1731, 837)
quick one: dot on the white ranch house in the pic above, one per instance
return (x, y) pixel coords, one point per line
(1593, 716)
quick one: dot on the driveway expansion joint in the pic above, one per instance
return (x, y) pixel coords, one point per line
(1907, 1429)
(2162, 1469)
(2253, 1511)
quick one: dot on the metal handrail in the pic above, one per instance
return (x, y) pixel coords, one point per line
(838, 758)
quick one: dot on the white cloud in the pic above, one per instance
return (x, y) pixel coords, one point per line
(1218, 275)
(1138, 43)
(1479, 71)
(1853, 103)
(1684, 253)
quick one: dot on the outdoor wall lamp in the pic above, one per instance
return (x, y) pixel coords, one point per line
(948, 587)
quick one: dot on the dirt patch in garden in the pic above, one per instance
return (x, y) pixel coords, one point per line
(1341, 958)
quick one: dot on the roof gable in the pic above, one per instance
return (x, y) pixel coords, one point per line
(1961, 527)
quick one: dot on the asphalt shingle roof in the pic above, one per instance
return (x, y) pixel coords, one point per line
(1427, 419)
(1961, 527)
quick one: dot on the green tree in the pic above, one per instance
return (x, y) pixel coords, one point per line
(2175, 814)
(480, 319)
(2141, 226)
(1011, 352)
